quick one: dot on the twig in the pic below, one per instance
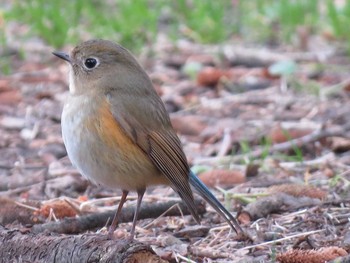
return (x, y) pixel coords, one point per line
(282, 239)
(298, 142)
(163, 214)
(226, 143)
(177, 255)
(98, 220)
(321, 160)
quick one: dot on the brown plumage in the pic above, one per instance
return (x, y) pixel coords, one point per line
(117, 131)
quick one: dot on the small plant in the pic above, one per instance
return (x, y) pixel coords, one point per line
(266, 144)
(339, 19)
(136, 23)
(292, 14)
(130, 23)
(246, 150)
(205, 21)
(51, 20)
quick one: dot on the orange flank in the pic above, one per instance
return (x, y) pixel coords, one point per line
(113, 135)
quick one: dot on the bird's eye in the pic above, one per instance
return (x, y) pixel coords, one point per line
(90, 63)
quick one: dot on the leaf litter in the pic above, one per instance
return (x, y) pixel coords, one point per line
(272, 145)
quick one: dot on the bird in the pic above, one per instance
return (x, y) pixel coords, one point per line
(117, 131)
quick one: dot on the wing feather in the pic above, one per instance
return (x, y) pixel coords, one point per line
(159, 141)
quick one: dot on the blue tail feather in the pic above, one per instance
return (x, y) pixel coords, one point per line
(205, 193)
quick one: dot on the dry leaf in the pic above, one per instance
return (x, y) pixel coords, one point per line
(346, 87)
(60, 208)
(4, 84)
(340, 144)
(298, 190)
(223, 178)
(188, 125)
(210, 76)
(311, 256)
(10, 97)
(279, 135)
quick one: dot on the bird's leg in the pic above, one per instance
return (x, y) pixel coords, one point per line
(140, 194)
(114, 224)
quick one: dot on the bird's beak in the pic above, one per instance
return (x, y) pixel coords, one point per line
(62, 55)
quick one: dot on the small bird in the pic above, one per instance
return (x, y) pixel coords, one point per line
(118, 133)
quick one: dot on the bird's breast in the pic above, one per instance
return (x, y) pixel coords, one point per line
(98, 146)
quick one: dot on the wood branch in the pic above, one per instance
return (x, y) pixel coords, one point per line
(98, 220)
(298, 142)
(300, 166)
(16, 246)
(253, 57)
(276, 203)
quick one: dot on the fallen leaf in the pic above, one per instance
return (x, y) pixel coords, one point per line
(10, 97)
(60, 208)
(340, 144)
(5, 85)
(223, 178)
(193, 231)
(298, 190)
(324, 254)
(210, 76)
(188, 125)
(347, 87)
(252, 170)
(279, 134)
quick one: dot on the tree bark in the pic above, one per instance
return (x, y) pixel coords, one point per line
(16, 246)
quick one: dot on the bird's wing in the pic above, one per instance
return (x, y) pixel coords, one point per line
(146, 122)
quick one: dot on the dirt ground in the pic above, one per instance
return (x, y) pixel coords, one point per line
(273, 147)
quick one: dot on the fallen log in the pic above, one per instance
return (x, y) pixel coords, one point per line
(19, 246)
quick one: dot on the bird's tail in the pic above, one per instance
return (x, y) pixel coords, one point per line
(205, 193)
